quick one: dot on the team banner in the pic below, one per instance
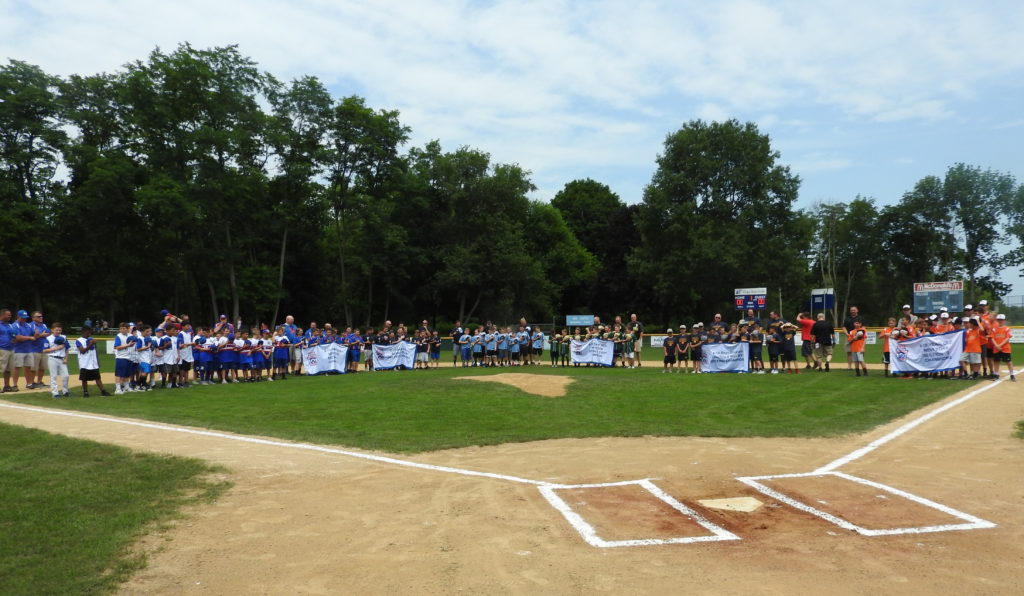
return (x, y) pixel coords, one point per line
(928, 353)
(593, 351)
(725, 358)
(325, 358)
(394, 355)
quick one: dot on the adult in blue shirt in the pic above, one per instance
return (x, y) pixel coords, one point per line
(6, 347)
(41, 332)
(24, 338)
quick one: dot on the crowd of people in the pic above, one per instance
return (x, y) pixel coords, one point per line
(174, 353)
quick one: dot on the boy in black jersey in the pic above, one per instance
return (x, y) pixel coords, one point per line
(669, 347)
(683, 350)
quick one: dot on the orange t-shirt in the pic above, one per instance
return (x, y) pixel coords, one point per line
(942, 328)
(886, 333)
(857, 337)
(972, 341)
(1000, 333)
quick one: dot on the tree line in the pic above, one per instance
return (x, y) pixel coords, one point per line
(194, 181)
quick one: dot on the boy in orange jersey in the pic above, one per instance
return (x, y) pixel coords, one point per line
(999, 336)
(986, 347)
(884, 338)
(857, 338)
(972, 346)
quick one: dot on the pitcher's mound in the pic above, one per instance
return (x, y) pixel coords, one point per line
(543, 385)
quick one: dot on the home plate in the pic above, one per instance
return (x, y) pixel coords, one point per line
(744, 504)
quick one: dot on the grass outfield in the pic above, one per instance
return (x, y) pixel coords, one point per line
(72, 509)
(414, 411)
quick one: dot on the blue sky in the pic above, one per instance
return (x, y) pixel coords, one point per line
(859, 98)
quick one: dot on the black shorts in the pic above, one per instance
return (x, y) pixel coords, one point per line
(756, 355)
(89, 374)
(1001, 356)
(492, 353)
(683, 356)
(789, 354)
(670, 359)
(538, 351)
(478, 354)
(186, 366)
(696, 354)
(807, 348)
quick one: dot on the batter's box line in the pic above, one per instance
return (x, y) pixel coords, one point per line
(973, 523)
(589, 534)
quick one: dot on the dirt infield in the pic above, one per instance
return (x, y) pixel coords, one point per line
(306, 522)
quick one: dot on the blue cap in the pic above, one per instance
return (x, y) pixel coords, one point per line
(22, 314)
(223, 316)
(165, 312)
(265, 331)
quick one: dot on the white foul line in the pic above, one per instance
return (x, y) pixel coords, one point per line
(842, 461)
(306, 446)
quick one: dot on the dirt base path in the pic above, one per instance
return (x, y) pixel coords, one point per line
(303, 522)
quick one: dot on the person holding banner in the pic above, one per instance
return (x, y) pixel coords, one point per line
(1000, 336)
(884, 338)
(972, 346)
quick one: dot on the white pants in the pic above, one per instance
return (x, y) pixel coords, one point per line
(58, 368)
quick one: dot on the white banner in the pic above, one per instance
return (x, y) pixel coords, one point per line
(325, 358)
(928, 353)
(593, 351)
(716, 358)
(394, 355)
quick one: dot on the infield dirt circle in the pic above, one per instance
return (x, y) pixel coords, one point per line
(304, 522)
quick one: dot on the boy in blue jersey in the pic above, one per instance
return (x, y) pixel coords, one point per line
(257, 354)
(435, 349)
(537, 349)
(243, 351)
(465, 347)
(282, 352)
(24, 336)
(503, 346)
(523, 339)
(478, 347)
(201, 355)
(491, 347)
(355, 350)
(144, 379)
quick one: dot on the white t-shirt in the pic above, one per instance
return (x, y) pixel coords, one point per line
(129, 353)
(51, 342)
(146, 353)
(88, 360)
(186, 352)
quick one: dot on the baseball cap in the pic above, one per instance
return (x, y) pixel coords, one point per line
(268, 331)
(956, 320)
(165, 312)
(682, 326)
(906, 306)
(932, 317)
(944, 315)
(1000, 316)
(223, 316)
(22, 314)
(669, 330)
(969, 307)
(983, 303)
(943, 309)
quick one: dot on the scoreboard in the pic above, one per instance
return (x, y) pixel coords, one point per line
(930, 296)
(756, 298)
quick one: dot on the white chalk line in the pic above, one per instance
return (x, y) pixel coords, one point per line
(305, 446)
(589, 534)
(857, 454)
(973, 523)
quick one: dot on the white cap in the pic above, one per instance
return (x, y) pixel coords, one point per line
(983, 303)
(669, 330)
(968, 307)
(699, 325)
(1000, 316)
(682, 326)
(944, 315)
(943, 309)
(932, 318)
(906, 306)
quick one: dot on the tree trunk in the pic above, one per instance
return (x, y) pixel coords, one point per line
(232, 281)
(280, 277)
(475, 304)
(213, 299)
(369, 296)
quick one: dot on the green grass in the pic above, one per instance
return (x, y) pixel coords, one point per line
(1020, 429)
(417, 411)
(72, 509)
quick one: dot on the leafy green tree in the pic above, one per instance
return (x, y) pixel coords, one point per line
(718, 215)
(848, 245)
(30, 143)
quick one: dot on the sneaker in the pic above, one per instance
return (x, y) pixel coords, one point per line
(85, 394)
(105, 393)
(270, 379)
(118, 392)
(67, 394)
(56, 396)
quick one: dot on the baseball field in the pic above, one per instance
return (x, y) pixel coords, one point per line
(562, 480)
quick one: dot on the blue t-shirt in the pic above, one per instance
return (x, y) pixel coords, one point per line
(491, 340)
(26, 328)
(6, 336)
(464, 340)
(502, 341)
(40, 344)
(478, 345)
(538, 341)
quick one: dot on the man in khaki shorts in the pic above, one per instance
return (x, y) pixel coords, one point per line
(6, 348)
(822, 335)
(24, 337)
(638, 333)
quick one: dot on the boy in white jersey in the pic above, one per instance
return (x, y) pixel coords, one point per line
(88, 362)
(56, 352)
(124, 352)
(185, 343)
(172, 357)
(145, 350)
